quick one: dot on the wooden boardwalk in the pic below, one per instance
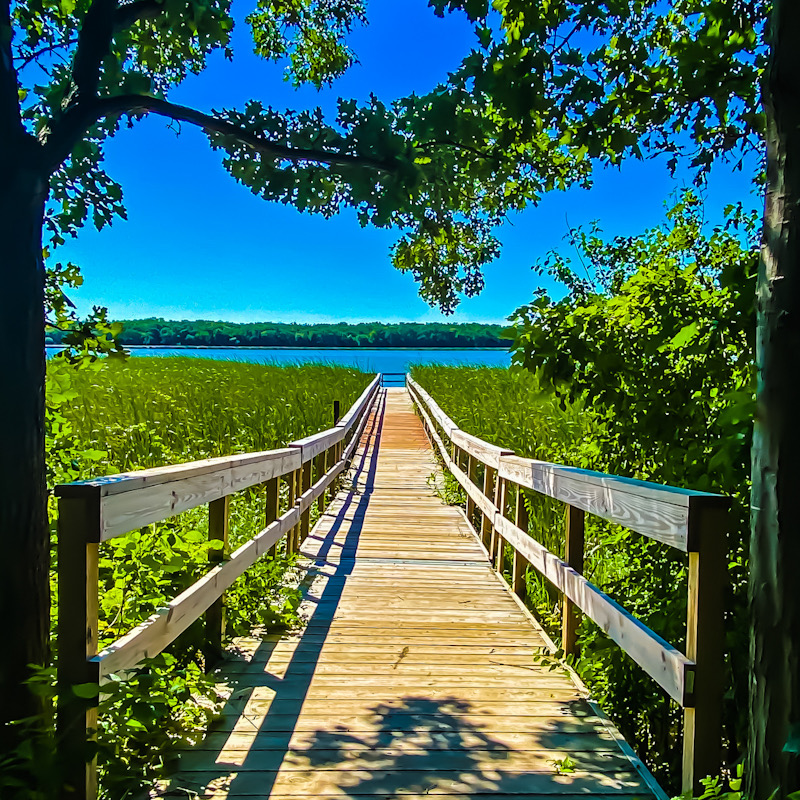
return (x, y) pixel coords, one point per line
(414, 676)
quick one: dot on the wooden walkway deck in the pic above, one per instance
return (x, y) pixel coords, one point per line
(414, 676)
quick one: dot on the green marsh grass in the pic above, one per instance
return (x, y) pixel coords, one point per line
(150, 412)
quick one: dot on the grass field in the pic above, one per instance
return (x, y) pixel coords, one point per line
(151, 412)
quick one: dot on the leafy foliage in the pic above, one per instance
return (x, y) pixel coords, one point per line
(649, 358)
(614, 79)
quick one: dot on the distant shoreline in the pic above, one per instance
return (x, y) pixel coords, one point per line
(279, 347)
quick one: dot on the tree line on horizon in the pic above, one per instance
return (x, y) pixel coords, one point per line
(209, 333)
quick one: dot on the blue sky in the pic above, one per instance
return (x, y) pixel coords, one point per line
(197, 245)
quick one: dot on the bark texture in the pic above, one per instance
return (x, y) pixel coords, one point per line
(24, 535)
(775, 542)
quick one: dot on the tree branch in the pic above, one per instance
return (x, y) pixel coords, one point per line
(27, 59)
(78, 119)
(457, 146)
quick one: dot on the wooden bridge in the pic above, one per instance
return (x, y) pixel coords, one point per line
(414, 674)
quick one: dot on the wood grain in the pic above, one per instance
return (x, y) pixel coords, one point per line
(414, 673)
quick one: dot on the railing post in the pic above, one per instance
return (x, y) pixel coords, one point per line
(471, 473)
(573, 555)
(273, 508)
(78, 524)
(704, 643)
(305, 517)
(322, 468)
(496, 551)
(520, 565)
(218, 516)
(291, 535)
(336, 413)
(488, 491)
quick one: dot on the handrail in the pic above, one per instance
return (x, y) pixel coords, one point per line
(691, 521)
(99, 509)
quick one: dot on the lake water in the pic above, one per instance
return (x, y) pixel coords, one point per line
(369, 359)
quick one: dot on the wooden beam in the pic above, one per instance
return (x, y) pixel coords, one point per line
(305, 516)
(293, 481)
(496, 549)
(573, 555)
(520, 564)
(122, 512)
(320, 468)
(487, 528)
(659, 512)
(487, 453)
(273, 508)
(705, 642)
(218, 517)
(311, 446)
(471, 476)
(77, 642)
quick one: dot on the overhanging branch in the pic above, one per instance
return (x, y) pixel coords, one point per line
(77, 120)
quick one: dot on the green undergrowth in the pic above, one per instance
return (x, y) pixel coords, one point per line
(116, 416)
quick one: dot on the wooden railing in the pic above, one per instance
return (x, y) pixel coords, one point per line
(694, 522)
(90, 512)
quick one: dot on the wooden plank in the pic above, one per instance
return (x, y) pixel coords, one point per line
(663, 662)
(294, 491)
(77, 641)
(705, 642)
(273, 500)
(127, 511)
(218, 518)
(408, 757)
(320, 468)
(330, 783)
(573, 557)
(520, 563)
(486, 453)
(148, 478)
(472, 475)
(305, 505)
(659, 512)
(311, 446)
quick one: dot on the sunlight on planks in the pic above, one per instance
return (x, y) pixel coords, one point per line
(414, 675)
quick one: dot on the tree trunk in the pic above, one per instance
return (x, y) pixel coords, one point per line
(775, 542)
(24, 535)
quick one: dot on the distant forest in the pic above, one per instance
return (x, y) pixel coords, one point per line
(204, 333)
